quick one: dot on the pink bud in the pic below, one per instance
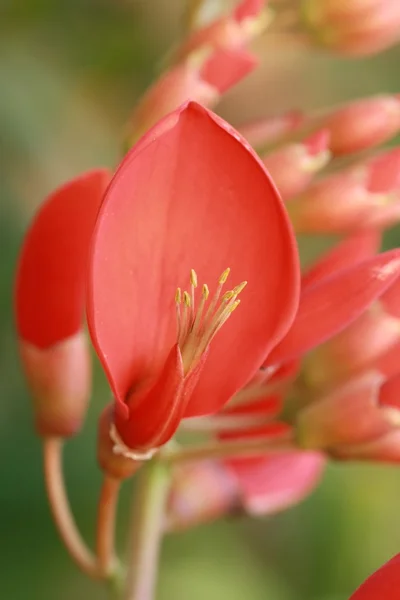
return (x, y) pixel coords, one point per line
(293, 166)
(265, 132)
(234, 31)
(357, 198)
(354, 27)
(386, 447)
(200, 492)
(183, 82)
(354, 349)
(59, 379)
(362, 124)
(272, 484)
(351, 414)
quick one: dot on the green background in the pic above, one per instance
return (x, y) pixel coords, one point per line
(70, 73)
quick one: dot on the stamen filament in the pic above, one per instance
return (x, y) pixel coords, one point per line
(196, 329)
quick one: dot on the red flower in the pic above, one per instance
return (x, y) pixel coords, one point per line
(50, 302)
(190, 195)
(383, 584)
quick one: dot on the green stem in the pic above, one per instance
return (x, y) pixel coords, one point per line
(147, 530)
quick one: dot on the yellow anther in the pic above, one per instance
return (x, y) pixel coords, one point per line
(224, 276)
(186, 298)
(239, 288)
(228, 295)
(206, 291)
(178, 296)
(193, 277)
(234, 306)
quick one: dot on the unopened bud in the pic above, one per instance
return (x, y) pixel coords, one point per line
(362, 124)
(354, 27)
(115, 464)
(354, 349)
(359, 197)
(183, 82)
(351, 414)
(200, 493)
(59, 378)
(264, 133)
(293, 166)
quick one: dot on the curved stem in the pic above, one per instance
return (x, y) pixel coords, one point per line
(55, 487)
(236, 448)
(106, 517)
(147, 530)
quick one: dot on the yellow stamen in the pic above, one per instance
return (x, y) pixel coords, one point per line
(196, 329)
(193, 278)
(224, 276)
(239, 288)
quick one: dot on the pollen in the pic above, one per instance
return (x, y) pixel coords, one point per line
(200, 318)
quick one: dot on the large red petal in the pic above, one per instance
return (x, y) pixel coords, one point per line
(190, 194)
(268, 485)
(383, 584)
(333, 303)
(52, 265)
(347, 254)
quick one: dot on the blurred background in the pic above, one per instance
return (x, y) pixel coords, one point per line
(70, 73)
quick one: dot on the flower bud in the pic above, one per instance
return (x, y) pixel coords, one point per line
(248, 20)
(359, 197)
(270, 131)
(112, 462)
(351, 414)
(362, 124)
(293, 166)
(50, 303)
(181, 83)
(200, 493)
(354, 349)
(59, 378)
(354, 27)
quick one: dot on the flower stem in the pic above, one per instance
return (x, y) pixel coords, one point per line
(237, 448)
(55, 487)
(106, 516)
(147, 530)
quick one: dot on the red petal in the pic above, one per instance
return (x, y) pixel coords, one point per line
(52, 265)
(347, 254)
(157, 411)
(227, 67)
(383, 584)
(333, 303)
(268, 485)
(191, 194)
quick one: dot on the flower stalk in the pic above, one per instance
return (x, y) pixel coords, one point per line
(106, 517)
(147, 526)
(67, 528)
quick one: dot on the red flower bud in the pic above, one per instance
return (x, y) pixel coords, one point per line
(293, 166)
(200, 493)
(360, 197)
(50, 304)
(362, 124)
(352, 414)
(354, 27)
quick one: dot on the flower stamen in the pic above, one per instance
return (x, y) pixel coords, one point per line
(196, 329)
